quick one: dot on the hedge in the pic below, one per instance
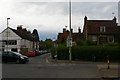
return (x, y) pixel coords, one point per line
(87, 52)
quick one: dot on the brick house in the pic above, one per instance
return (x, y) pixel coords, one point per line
(101, 31)
(62, 37)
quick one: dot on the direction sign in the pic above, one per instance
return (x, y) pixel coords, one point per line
(69, 41)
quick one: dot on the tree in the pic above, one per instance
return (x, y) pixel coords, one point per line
(80, 42)
(48, 43)
(35, 35)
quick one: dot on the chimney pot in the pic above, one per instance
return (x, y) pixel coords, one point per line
(79, 30)
(64, 30)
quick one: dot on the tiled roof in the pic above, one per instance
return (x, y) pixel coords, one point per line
(75, 36)
(93, 26)
(23, 35)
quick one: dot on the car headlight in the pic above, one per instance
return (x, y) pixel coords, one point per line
(21, 57)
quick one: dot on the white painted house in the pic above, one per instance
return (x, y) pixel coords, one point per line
(19, 40)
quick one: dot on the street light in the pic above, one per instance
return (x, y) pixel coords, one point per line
(7, 32)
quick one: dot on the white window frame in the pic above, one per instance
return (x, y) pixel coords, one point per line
(102, 28)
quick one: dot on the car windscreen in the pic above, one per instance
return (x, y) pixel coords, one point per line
(17, 53)
(30, 52)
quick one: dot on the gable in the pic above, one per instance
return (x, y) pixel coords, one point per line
(11, 35)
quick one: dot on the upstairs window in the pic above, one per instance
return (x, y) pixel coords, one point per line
(102, 29)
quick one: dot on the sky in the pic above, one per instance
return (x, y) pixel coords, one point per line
(49, 18)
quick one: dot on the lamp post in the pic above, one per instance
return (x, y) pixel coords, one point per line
(7, 32)
(70, 56)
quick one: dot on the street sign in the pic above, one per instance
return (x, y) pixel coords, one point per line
(69, 41)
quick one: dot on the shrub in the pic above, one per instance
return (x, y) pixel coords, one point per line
(87, 52)
(53, 52)
(90, 43)
(62, 52)
(80, 42)
(111, 44)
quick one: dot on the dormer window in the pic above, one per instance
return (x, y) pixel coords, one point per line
(102, 29)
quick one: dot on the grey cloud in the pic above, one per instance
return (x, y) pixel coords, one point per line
(50, 17)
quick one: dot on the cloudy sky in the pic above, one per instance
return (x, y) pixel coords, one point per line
(49, 18)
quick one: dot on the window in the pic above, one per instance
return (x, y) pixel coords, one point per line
(111, 39)
(10, 42)
(102, 29)
(94, 38)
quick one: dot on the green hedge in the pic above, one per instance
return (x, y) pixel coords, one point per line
(87, 52)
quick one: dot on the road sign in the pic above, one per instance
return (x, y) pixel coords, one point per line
(69, 41)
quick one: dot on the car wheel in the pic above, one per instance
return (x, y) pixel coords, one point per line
(18, 61)
(5, 61)
(24, 62)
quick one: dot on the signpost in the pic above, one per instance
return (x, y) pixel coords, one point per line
(69, 41)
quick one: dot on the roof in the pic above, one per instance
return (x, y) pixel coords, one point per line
(23, 35)
(75, 36)
(93, 26)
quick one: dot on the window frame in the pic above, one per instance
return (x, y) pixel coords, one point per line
(102, 29)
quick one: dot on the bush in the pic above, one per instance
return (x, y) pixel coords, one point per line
(62, 52)
(111, 44)
(53, 52)
(90, 43)
(80, 42)
(87, 52)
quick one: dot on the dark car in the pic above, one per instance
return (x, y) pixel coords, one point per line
(9, 56)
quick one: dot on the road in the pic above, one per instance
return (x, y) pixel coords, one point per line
(39, 67)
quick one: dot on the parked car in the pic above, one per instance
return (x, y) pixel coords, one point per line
(36, 52)
(40, 52)
(31, 53)
(9, 56)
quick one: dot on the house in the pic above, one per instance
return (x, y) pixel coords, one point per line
(101, 31)
(62, 37)
(19, 40)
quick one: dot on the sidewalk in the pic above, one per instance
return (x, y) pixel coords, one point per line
(113, 72)
(49, 59)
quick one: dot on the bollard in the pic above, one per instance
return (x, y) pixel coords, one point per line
(93, 58)
(108, 63)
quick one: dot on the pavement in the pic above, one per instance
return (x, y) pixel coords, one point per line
(104, 72)
(44, 66)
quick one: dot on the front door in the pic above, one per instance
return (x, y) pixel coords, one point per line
(102, 40)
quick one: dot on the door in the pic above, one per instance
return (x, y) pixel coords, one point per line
(102, 40)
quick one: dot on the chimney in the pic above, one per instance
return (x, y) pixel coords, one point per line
(28, 32)
(71, 30)
(64, 30)
(114, 19)
(79, 30)
(24, 30)
(19, 27)
(85, 19)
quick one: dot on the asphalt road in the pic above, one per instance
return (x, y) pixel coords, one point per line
(39, 67)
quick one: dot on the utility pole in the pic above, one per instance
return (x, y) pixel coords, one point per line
(7, 32)
(70, 56)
